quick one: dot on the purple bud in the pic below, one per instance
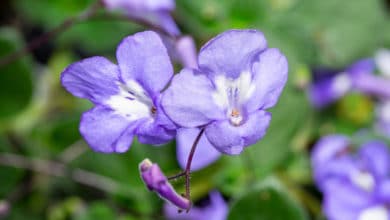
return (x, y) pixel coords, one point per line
(156, 181)
(186, 49)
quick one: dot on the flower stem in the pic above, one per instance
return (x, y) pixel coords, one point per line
(189, 162)
(37, 42)
(176, 176)
(187, 171)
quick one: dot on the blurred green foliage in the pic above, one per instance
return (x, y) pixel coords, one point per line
(39, 120)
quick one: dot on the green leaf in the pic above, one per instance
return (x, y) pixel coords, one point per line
(65, 209)
(50, 13)
(97, 36)
(15, 78)
(269, 200)
(287, 117)
(14, 175)
(97, 210)
(123, 169)
(346, 37)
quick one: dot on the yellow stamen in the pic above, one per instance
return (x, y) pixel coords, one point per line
(235, 113)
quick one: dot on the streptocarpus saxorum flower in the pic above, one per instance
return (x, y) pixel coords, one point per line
(382, 111)
(156, 181)
(126, 96)
(330, 157)
(382, 61)
(155, 11)
(215, 208)
(357, 185)
(238, 78)
(330, 85)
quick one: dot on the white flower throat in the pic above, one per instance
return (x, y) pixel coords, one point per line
(132, 101)
(379, 212)
(364, 180)
(232, 94)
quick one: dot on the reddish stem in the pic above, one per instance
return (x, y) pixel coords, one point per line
(187, 171)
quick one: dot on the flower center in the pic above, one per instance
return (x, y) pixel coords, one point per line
(235, 117)
(232, 94)
(364, 180)
(378, 212)
(132, 101)
(153, 110)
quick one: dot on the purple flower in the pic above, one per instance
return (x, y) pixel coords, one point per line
(330, 157)
(357, 185)
(382, 61)
(214, 209)
(331, 85)
(126, 96)
(154, 11)
(237, 80)
(383, 117)
(156, 181)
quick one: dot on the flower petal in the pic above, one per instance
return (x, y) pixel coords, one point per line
(143, 57)
(329, 148)
(215, 209)
(165, 20)
(382, 61)
(343, 201)
(322, 94)
(377, 157)
(93, 78)
(269, 77)
(230, 51)
(363, 66)
(140, 5)
(188, 100)
(205, 153)
(383, 190)
(150, 132)
(340, 168)
(230, 139)
(105, 131)
(186, 51)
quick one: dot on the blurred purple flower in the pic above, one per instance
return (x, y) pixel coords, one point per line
(156, 181)
(154, 11)
(383, 117)
(330, 153)
(215, 208)
(237, 80)
(357, 185)
(382, 60)
(126, 96)
(330, 85)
